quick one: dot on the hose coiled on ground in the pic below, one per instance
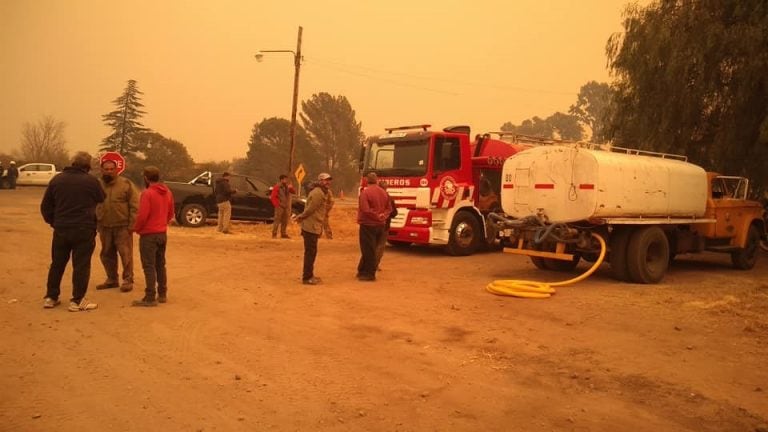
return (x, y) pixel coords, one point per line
(534, 289)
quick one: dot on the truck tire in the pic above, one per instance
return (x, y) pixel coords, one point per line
(464, 236)
(562, 266)
(555, 264)
(648, 255)
(539, 262)
(193, 215)
(746, 257)
(618, 253)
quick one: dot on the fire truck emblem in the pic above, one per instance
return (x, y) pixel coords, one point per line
(448, 188)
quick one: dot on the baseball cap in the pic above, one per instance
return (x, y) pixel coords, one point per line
(324, 176)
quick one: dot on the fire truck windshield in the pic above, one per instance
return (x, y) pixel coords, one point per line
(399, 158)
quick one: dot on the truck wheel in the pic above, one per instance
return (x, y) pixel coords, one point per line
(193, 215)
(560, 265)
(746, 257)
(464, 236)
(618, 253)
(539, 262)
(648, 255)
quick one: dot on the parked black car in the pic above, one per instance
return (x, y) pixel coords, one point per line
(195, 201)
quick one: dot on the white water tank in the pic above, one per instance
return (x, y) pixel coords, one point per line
(572, 183)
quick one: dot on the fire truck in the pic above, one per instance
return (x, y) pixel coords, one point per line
(444, 183)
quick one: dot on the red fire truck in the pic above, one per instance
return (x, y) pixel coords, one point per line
(444, 183)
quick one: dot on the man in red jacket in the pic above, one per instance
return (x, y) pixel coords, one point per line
(281, 200)
(155, 211)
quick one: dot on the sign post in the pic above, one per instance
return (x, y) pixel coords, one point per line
(115, 157)
(300, 173)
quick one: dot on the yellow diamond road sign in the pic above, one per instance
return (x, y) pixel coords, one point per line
(300, 173)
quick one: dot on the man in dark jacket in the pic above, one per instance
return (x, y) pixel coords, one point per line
(69, 206)
(12, 175)
(224, 194)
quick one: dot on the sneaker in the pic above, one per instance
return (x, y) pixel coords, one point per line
(145, 302)
(50, 303)
(107, 285)
(84, 305)
(366, 278)
(126, 287)
(311, 281)
(285, 236)
(162, 299)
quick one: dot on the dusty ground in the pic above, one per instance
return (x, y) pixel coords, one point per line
(242, 345)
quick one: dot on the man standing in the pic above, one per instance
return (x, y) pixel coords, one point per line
(312, 226)
(13, 174)
(69, 206)
(281, 200)
(2, 171)
(224, 194)
(155, 211)
(327, 222)
(372, 213)
(115, 218)
(383, 241)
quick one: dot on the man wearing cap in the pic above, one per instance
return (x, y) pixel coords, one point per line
(372, 213)
(115, 218)
(12, 175)
(311, 220)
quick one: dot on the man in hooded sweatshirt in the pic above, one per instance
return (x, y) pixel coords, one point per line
(155, 211)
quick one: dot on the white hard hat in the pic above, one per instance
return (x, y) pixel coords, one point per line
(13, 162)
(324, 176)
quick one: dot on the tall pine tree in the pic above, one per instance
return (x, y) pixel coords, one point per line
(124, 121)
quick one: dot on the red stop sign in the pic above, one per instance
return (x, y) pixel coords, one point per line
(115, 157)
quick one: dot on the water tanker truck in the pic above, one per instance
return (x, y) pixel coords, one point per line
(649, 207)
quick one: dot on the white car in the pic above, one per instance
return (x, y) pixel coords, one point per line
(36, 174)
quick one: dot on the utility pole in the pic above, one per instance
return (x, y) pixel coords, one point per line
(297, 65)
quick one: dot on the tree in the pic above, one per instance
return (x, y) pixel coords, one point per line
(269, 145)
(592, 108)
(335, 134)
(43, 141)
(692, 78)
(557, 126)
(169, 155)
(124, 121)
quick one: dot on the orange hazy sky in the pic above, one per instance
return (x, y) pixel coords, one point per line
(442, 62)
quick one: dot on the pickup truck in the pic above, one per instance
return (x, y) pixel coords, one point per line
(195, 201)
(36, 174)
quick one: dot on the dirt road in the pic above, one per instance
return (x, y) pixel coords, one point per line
(243, 346)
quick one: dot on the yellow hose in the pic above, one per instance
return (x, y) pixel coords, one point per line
(534, 289)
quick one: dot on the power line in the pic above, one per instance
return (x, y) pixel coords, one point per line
(391, 81)
(343, 67)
